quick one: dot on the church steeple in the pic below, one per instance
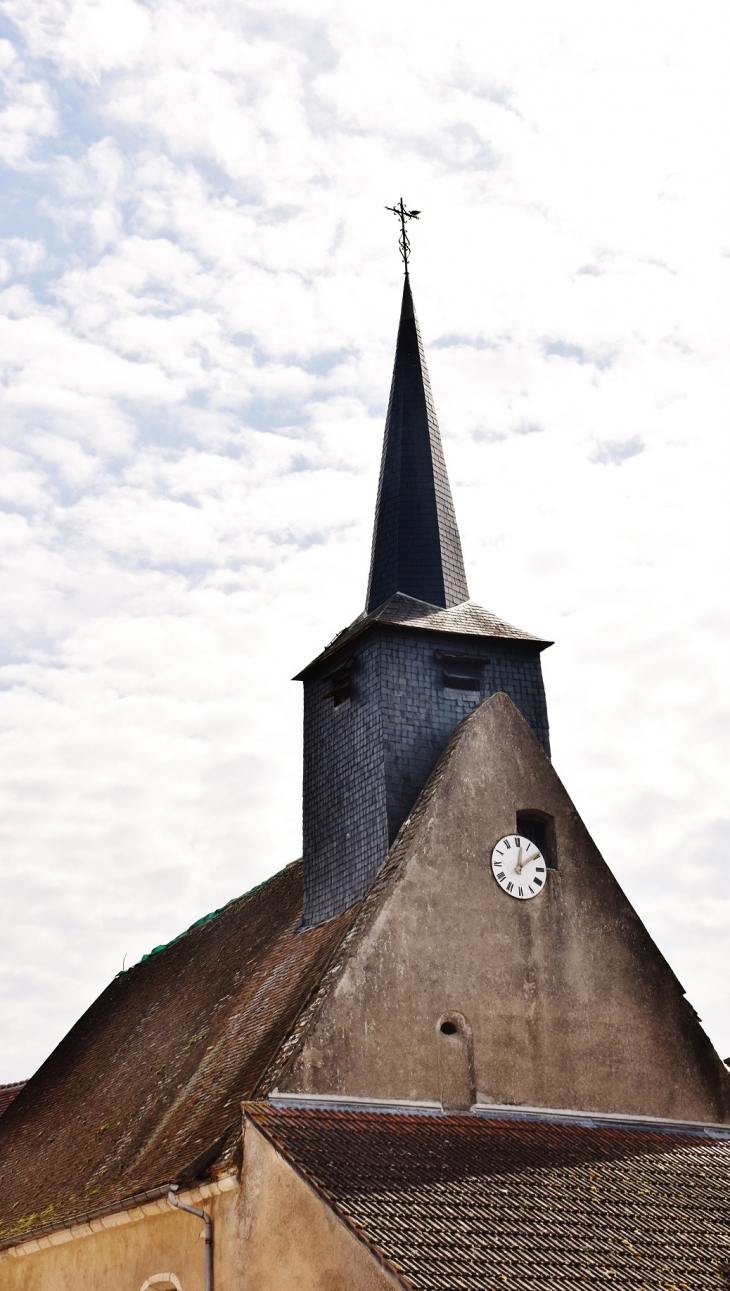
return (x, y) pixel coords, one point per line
(416, 544)
(383, 699)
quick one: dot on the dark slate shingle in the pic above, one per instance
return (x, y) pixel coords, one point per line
(416, 544)
(467, 619)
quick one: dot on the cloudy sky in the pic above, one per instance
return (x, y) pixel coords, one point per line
(200, 290)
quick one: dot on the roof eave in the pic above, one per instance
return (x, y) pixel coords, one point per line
(330, 651)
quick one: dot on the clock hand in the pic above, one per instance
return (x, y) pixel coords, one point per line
(526, 860)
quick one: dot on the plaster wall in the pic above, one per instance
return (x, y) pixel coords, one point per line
(567, 1000)
(120, 1255)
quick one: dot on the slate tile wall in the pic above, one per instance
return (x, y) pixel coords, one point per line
(419, 712)
(345, 817)
(367, 759)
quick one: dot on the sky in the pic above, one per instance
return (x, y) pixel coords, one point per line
(200, 290)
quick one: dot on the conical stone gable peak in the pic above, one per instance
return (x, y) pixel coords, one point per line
(416, 544)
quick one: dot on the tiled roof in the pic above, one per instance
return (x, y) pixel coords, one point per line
(151, 1078)
(8, 1093)
(470, 1203)
(467, 619)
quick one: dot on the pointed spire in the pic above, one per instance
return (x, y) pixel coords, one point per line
(416, 544)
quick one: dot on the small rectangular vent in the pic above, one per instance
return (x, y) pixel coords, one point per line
(341, 681)
(455, 681)
(462, 671)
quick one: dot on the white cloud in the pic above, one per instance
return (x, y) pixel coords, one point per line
(27, 115)
(199, 298)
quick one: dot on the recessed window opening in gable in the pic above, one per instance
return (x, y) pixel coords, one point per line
(461, 671)
(540, 829)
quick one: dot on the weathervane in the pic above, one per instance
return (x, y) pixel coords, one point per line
(403, 241)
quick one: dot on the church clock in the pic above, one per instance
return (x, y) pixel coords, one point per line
(519, 867)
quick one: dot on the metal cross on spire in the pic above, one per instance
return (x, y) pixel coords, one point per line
(403, 242)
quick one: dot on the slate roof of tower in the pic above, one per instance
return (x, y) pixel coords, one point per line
(467, 619)
(151, 1078)
(484, 1203)
(416, 544)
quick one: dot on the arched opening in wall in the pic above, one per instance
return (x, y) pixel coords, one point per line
(456, 1062)
(540, 829)
(162, 1282)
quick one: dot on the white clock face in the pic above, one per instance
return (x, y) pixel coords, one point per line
(519, 867)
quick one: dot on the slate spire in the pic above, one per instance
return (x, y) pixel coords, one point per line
(416, 544)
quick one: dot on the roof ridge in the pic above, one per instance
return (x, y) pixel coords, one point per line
(353, 1105)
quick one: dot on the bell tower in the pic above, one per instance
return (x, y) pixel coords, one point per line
(383, 698)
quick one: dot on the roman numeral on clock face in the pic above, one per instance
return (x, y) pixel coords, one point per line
(518, 873)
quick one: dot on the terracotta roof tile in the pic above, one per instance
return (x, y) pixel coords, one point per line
(152, 1076)
(475, 1203)
(8, 1093)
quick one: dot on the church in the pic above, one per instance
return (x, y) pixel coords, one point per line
(438, 1052)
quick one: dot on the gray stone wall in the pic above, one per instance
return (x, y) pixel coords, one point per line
(366, 760)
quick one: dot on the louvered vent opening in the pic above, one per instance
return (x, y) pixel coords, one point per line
(340, 680)
(461, 671)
